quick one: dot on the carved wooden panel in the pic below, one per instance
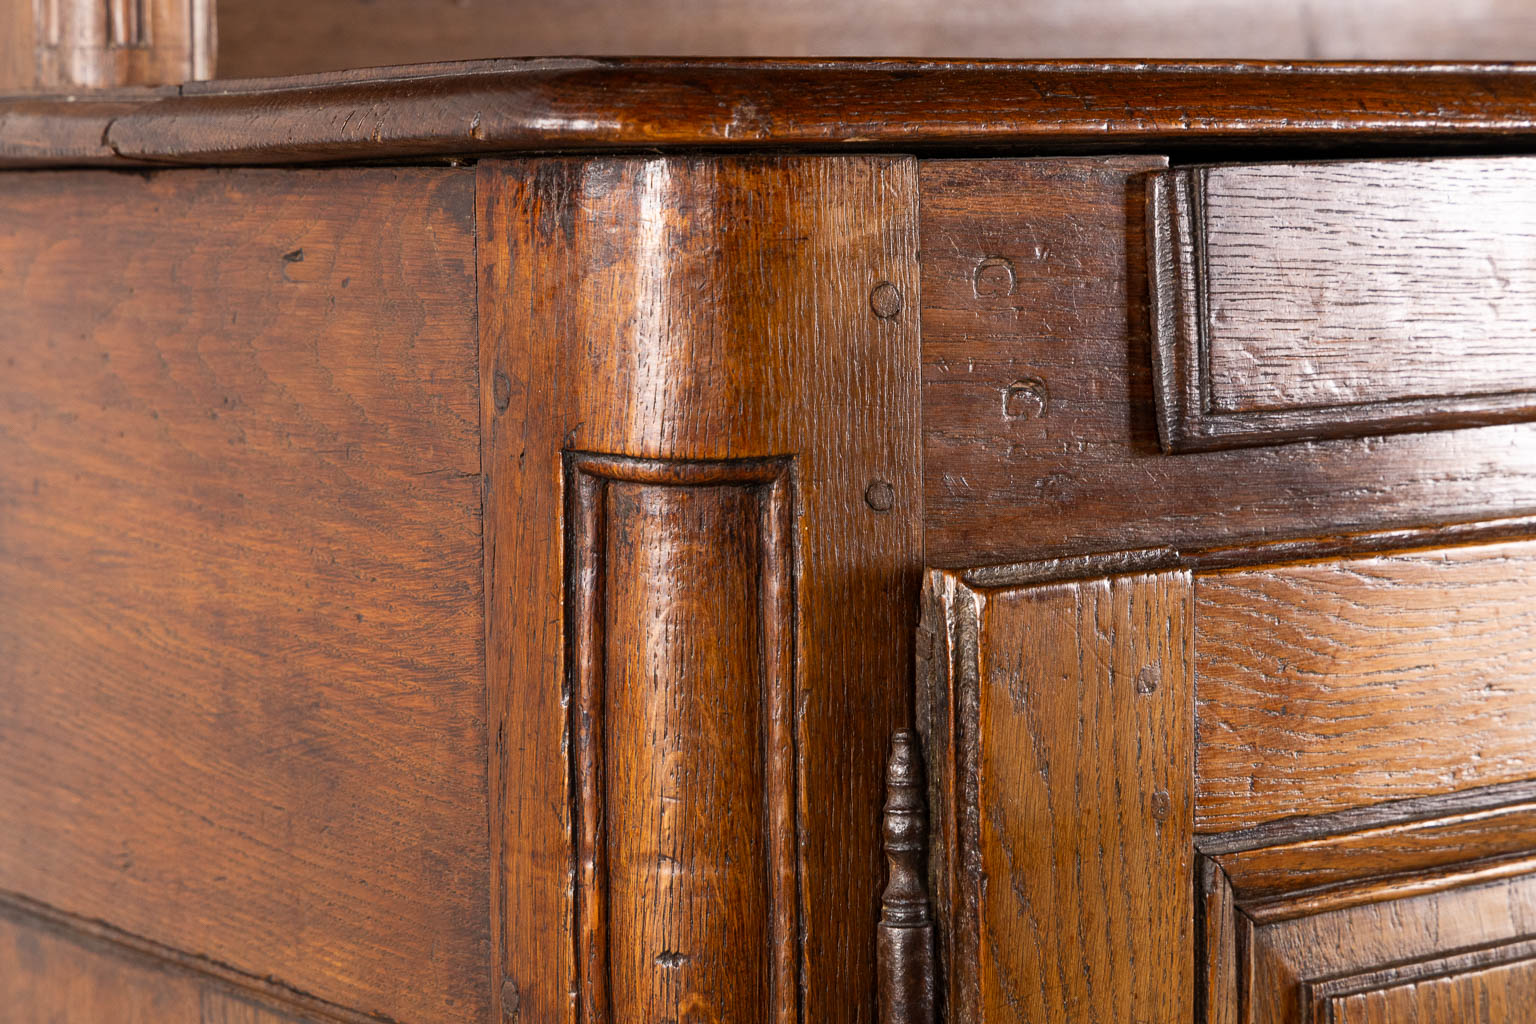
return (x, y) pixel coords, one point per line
(1439, 935)
(1364, 754)
(1317, 858)
(64, 45)
(1321, 300)
(1342, 683)
(1060, 725)
(681, 603)
(1486, 986)
(1357, 801)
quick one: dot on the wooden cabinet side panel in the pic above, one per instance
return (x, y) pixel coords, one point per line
(48, 976)
(240, 624)
(53, 970)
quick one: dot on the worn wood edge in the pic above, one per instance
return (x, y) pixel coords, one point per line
(1162, 295)
(1312, 902)
(948, 720)
(1218, 946)
(56, 133)
(1358, 819)
(1222, 431)
(1071, 567)
(932, 708)
(1246, 555)
(1178, 313)
(1496, 955)
(1455, 833)
(968, 608)
(1187, 420)
(478, 108)
(266, 990)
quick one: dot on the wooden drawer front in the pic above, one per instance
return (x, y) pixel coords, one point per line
(1039, 419)
(1296, 301)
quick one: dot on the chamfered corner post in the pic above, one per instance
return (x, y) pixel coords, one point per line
(700, 391)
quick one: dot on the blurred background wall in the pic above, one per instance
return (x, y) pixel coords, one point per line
(273, 37)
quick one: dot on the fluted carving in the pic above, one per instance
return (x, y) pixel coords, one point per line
(97, 44)
(681, 625)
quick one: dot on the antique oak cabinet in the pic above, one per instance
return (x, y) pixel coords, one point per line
(764, 542)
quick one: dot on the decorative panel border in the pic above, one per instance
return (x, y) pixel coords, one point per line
(1315, 927)
(1428, 254)
(721, 831)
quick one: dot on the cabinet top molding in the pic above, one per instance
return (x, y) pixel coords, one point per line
(467, 109)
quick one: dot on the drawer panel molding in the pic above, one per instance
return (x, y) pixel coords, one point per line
(1323, 300)
(1420, 920)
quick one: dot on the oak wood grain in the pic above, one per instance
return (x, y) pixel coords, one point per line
(711, 312)
(1071, 762)
(1289, 957)
(1339, 684)
(1388, 895)
(1423, 943)
(1322, 300)
(1042, 107)
(1486, 987)
(219, 1008)
(48, 976)
(240, 627)
(1414, 847)
(1039, 417)
(1220, 957)
(57, 971)
(682, 598)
